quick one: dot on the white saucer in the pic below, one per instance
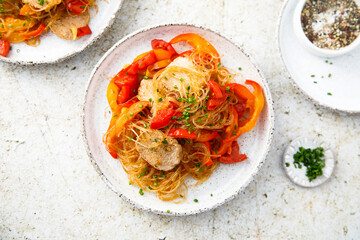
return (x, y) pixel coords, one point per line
(298, 175)
(311, 73)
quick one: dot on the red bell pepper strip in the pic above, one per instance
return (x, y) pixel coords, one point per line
(124, 94)
(162, 118)
(234, 156)
(240, 108)
(128, 103)
(127, 83)
(214, 102)
(229, 131)
(181, 133)
(198, 43)
(208, 160)
(34, 33)
(255, 105)
(83, 31)
(142, 63)
(215, 89)
(4, 48)
(76, 6)
(161, 44)
(206, 135)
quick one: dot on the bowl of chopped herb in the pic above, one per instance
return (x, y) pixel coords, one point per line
(328, 28)
(308, 162)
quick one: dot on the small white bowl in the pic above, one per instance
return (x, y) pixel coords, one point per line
(299, 32)
(298, 175)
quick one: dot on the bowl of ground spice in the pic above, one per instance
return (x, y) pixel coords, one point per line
(328, 28)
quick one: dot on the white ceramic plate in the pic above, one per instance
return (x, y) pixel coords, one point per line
(340, 91)
(228, 180)
(53, 49)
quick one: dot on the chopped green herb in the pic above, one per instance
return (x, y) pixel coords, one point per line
(287, 164)
(211, 195)
(312, 75)
(129, 183)
(329, 93)
(195, 200)
(227, 89)
(312, 159)
(140, 106)
(131, 114)
(165, 78)
(168, 211)
(150, 99)
(176, 87)
(240, 68)
(164, 141)
(160, 99)
(181, 79)
(141, 192)
(329, 75)
(146, 77)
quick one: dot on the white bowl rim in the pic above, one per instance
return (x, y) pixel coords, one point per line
(266, 89)
(299, 32)
(295, 85)
(70, 55)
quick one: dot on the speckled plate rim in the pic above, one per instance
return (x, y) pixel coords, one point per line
(266, 89)
(79, 50)
(285, 4)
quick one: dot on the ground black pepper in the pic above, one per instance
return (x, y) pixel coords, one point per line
(331, 24)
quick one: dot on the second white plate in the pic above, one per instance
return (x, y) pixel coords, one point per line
(53, 49)
(330, 82)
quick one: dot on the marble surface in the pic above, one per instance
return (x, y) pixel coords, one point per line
(50, 190)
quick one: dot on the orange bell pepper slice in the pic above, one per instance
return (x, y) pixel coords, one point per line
(151, 70)
(255, 105)
(34, 33)
(229, 132)
(206, 135)
(115, 129)
(234, 156)
(207, 160)
(26, 10)
(198, 43)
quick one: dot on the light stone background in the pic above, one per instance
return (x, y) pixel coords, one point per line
(50, 190)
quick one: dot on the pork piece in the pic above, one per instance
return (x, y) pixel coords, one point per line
(146, 90)
(160, 151)
(178, 73)
(66, 26)
(47, 4)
